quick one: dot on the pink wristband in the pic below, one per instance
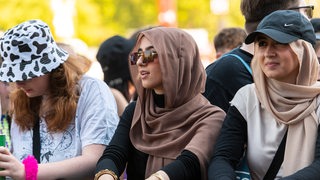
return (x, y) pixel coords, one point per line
(30, 167)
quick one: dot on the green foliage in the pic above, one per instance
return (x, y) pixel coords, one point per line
(96, 20)
(17, 11)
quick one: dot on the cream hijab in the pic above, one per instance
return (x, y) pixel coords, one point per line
(294, 105)
(188, 120)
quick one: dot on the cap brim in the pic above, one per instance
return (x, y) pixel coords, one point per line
(273, 34)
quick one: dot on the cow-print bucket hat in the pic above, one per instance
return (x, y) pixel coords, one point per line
(28, 50)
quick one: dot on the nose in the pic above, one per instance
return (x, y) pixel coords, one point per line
(140, 61)
(20, 83)
(270, 51)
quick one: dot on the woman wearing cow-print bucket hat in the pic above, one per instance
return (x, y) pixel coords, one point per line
(61, 118)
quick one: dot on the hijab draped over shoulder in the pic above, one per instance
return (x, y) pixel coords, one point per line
(294, 105)
(188, 121)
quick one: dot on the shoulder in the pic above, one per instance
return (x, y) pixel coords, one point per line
(93, 86)
(228, 64)
(245, 95)
(88, 81)
(245, 99)
(97, 91)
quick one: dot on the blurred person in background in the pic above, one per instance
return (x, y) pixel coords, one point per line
(86, 54)
(113, 55)
(228, 39)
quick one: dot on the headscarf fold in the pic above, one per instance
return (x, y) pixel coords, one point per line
(188, 120)
(294, 105)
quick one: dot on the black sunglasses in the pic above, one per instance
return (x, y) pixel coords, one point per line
(307, 9)
(147, 56)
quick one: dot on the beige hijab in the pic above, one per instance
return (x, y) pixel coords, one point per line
(294, 105)
(188, 120)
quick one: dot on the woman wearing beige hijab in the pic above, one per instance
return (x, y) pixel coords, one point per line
(282, 103)
(168, 132)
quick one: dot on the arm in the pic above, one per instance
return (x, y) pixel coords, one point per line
(74, 168)
(229, 147)
(116, 154)
(186, 167)
(79, 167)
(312, 171)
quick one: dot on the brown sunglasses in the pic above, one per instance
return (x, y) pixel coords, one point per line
(147, 56)
(308, 10)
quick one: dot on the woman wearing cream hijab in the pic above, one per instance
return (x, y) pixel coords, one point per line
(282, 103)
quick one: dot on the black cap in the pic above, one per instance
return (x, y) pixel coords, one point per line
(316, 25)
(285, 26)
(113, 56)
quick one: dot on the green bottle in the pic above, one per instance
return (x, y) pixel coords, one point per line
(2, 143)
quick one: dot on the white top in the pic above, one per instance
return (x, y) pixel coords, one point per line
(95, 122)
(264, 132)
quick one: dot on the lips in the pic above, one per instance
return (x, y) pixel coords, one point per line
(144, 74)
(271, 64)
(27, 90)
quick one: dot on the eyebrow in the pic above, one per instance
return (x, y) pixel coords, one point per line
(147, 48)
(261, 37)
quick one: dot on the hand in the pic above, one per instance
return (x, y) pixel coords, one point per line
(106, 177)
(153, 178)
(11, 166)
(159, 175)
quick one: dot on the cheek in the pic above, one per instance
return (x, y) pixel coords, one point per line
(42, 86)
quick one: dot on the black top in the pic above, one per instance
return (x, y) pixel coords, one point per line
(120, 151)
(225, 77)
(234, 135)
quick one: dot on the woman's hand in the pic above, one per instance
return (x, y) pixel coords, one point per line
(11, 166)
(106, 177)
(159, 175)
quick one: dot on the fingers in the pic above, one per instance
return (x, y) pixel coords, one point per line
(4, 150)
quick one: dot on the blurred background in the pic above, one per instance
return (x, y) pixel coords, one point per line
(89, 22)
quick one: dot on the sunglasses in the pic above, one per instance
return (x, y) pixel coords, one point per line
(308, 10)
(147, 56)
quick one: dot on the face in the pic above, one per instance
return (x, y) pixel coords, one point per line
(38, 86)
(276, 60)
(4, 90)
(149, 72)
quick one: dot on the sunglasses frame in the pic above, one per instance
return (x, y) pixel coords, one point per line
(309, 12)
(147, 56)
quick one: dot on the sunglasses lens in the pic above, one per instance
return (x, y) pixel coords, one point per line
(147, 56)
(310, 12)
(134, 58)
(306, 10)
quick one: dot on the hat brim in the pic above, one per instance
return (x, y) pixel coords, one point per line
(24, 70)
(273, 34)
